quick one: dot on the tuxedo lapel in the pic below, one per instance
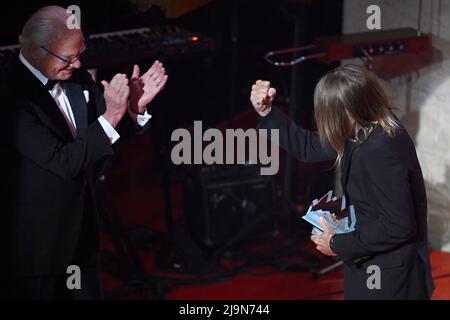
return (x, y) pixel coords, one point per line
(47, 110)
(74, 92)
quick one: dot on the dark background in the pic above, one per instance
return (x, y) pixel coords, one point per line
(215, 86)
(203, 84)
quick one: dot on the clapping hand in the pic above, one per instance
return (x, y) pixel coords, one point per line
(116, 95)
(144, 88)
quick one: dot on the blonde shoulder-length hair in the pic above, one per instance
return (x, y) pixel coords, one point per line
(348, 100)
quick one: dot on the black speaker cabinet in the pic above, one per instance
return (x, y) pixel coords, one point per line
(229, 204)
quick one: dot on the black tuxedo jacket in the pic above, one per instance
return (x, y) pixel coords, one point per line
(49, 176)
(382, 178)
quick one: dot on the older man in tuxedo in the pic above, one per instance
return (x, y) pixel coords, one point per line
(58, 127)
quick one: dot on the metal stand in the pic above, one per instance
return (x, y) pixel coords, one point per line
(324, 271)
(293, 104)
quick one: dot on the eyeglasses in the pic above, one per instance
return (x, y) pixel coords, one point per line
(66, 60)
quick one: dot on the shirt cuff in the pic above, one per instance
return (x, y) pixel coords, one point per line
(140, 119)
(109, 129)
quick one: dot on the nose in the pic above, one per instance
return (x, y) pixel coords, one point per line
(76, 64)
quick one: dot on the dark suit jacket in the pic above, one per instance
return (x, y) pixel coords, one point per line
(382, 178)
(49, 175)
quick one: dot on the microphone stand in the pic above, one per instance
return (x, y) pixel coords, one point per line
(292, 112)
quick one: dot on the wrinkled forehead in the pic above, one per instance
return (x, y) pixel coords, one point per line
(70, 43)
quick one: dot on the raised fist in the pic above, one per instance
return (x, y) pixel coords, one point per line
(262, 96)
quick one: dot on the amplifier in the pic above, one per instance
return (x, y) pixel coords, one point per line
(229, 205)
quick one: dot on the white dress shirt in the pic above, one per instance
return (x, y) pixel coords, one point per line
(59, 96)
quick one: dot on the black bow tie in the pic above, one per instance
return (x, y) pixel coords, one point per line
(50, 84)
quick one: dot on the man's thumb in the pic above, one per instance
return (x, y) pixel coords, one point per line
(105, 84)
(272, 92)
(136, 72)
(325, 225)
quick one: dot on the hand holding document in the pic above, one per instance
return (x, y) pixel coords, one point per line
(339, 217)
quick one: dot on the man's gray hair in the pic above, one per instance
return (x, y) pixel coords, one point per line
(45, 26)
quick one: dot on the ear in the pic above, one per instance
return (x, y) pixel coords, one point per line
(35, 51)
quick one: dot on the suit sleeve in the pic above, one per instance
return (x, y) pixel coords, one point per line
(304, 145)
(386, 180)
(32, 139)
